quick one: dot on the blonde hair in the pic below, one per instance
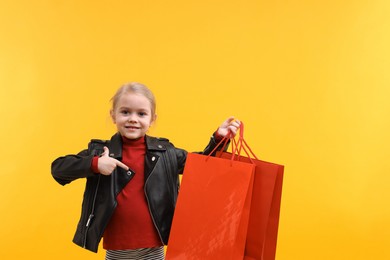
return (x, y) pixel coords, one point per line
(138, 88)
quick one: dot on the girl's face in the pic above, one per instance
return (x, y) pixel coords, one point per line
(132, 115)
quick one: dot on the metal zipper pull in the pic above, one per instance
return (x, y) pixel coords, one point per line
(89, 220)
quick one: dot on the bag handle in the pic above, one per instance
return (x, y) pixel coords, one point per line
(237, 145)
(242, 144)
(224, 140)
(246, 145)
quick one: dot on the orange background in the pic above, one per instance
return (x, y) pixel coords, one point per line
(310, 79)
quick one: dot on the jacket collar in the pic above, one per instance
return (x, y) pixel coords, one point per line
(152, 144)
(155, 144)
(115, 146)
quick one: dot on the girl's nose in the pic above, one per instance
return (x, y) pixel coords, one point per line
(132, 118)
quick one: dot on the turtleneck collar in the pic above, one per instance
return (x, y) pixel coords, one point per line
(134, 142)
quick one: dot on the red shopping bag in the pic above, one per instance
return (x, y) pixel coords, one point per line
(264, 211)
(265, 204)
(212, 211)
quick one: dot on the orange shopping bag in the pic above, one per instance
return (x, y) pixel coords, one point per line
(212, 210)
(265, 204)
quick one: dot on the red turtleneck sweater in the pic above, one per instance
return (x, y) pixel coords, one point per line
(131, 225)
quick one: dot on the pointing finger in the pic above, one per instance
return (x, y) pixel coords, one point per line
(122, 165)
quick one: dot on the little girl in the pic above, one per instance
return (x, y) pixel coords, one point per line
(132, 180)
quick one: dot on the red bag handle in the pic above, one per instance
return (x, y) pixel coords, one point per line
(236, 145)
(224, 140)
(244, 145)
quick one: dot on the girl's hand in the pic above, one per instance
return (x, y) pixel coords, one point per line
(107, 164)
(229, 128)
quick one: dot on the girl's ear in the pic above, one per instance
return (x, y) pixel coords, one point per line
(112, 114)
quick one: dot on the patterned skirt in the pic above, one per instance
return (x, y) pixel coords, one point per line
(156, 253)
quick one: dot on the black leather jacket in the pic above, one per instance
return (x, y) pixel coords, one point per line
(163, 163)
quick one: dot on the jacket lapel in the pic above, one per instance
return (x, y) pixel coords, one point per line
(153, 147)
(119, 177)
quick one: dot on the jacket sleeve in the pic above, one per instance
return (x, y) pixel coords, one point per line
(66, 169)
(181, 156)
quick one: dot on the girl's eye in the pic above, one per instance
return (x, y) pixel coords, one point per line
(124, 112)
(142, 114)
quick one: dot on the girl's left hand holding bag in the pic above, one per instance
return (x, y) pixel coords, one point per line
(228, 128)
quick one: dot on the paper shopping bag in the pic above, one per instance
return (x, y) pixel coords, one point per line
(212, 210)
(265, 207)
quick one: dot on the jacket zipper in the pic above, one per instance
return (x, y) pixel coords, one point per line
(91, 215)
(154, 222)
